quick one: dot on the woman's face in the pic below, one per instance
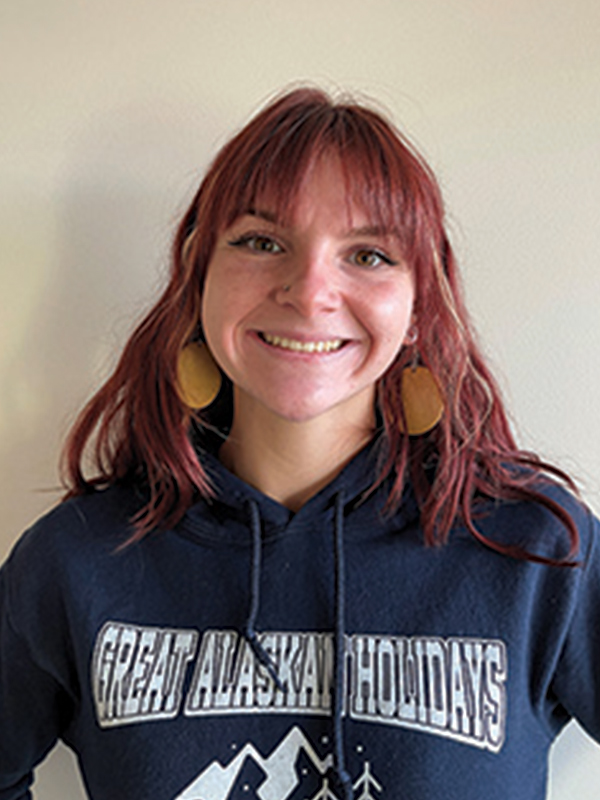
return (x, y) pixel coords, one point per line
(305, 315)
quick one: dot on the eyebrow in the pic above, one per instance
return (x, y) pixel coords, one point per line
(269, 216)
(370, 230)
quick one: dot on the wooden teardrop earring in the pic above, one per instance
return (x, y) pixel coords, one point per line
(422, 401)
(198, 376)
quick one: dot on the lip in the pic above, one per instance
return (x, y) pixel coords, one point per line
(316, 345)
(301, 344)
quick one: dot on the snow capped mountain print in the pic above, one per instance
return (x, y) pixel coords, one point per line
(279, 768)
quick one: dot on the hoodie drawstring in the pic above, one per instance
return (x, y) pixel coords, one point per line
(250, 634)
(339, 636)
(340, 650)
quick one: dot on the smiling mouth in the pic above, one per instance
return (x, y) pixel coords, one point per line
(326, 346)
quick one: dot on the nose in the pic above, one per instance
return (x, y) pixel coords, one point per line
(311, 284)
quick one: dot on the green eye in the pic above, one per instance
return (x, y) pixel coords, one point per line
(257, 243)
(369, 259)
(366, 258)
(264, 244)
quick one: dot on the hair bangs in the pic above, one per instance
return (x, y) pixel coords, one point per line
(370, 165)
(268, 162)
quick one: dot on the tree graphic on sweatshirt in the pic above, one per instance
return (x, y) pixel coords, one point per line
(368, 784)
(325, 793)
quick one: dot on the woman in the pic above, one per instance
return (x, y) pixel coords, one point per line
(316, 566)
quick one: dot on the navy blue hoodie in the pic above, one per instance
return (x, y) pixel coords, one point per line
(256, 653)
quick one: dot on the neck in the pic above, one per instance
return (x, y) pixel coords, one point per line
(292, 461)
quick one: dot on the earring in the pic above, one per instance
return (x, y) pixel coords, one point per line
(421, 400)
(198, 376)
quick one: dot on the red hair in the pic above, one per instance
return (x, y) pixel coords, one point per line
(137, 425)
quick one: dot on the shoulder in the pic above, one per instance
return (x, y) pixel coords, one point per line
(547, 523)
(71, 531)
(58, 566)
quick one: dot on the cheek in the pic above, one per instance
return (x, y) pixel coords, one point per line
(394, 313)
(225, 304)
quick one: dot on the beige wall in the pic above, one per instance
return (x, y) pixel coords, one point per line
(110, 110)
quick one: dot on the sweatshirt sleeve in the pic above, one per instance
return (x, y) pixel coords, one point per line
(34, 707)
(577, 679)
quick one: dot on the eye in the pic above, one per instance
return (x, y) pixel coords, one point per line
(370, 259)
(257, 243)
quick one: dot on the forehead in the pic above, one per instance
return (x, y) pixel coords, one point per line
(329, 188)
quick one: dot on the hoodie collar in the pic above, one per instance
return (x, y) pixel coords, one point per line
(224, 517)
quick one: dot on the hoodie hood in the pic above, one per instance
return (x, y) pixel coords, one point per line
(224, 518)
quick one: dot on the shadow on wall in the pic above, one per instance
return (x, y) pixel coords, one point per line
(113, 208)
(85, 305)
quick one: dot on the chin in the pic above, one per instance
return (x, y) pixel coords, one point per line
(298, 410)
(304, 412)
(298, 415)
(306, 406)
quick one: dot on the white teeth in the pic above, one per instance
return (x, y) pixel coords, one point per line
(302, 347)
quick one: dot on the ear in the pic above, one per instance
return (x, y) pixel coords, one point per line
(412, 333)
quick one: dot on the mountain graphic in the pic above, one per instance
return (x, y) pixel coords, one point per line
(216, 782)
